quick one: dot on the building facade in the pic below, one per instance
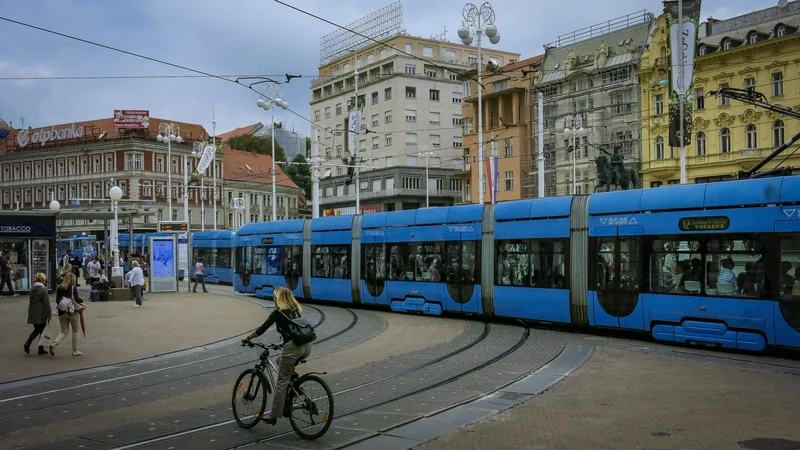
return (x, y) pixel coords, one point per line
(412, 99)
(506, 131)
(588, 78)
(77, 163)
(757, 51)
(292, 142)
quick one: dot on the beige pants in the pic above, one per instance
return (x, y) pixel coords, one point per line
(285, 363)
(67, 321)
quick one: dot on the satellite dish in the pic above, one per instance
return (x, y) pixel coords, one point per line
(783, 3)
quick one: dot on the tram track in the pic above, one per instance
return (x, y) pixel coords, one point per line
(353, 322)
(427, 364)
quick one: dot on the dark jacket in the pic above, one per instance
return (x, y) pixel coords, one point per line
(71, 292)
(39, 308)
(281, 322)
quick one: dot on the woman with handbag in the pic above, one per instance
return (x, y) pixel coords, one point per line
(69, 306)
(286, 309)
(38, 313)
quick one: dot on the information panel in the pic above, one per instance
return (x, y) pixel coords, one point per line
(163, 264)
(716, 223)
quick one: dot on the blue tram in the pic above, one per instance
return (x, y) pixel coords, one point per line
(710, 264)
(78, 245)
(215, 249)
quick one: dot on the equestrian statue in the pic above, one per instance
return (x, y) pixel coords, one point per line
(611, 171)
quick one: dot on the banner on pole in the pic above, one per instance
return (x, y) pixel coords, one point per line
(353, 129)
(207, 158)
(682, 81)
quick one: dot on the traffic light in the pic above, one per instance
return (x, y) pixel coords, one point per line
(349, 180)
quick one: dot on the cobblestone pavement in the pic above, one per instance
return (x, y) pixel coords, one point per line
(632, 400)
(117, 332)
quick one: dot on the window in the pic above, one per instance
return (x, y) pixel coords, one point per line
(723, 100)
(777, 84)
(175, 165)
(472, 58)
(467, 89)
(338, 109)
(338, 151)
(498, 86)
(700, 144)
(389, 144)
(375, 120)
(702, 50)
(659, 147)
(532, 263)
(457, 97)
(410, 182)
(659, 104)
(790, 280)
(134, 161)
(387, 117)
(727, 44)
(72, 167)
(387, 94)
(751, 138)
(374, 98)
(621, 103)
(725, 140)
(436, 142)
(427, 52)
(434, 117)
(750, 84)
(327, 112)
(316, 115)
(417, 261)
(509, 180)
(468, 125)
(431, 73)
(753, 38)
(411, 115)
(411, 92)
(160, 164)
(777, 133)
(411, 138)
(61, 167)
(700, 100)
(508, 147)
(456, 141)
(433, 94)
(411, 69)
(147, 189)
(408, 48)
(781, 31)
(375, 142)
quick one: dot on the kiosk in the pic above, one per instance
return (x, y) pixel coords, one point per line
(28, 239)
(163, 264)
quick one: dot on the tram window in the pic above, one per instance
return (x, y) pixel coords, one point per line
(259, 260)
(513, 266)
(417, 261)
(243, 263)
(330, 261)
(222, 257)
(292, 264)
(790, 269)
(213, 257)
(374, 256)
(736, 267)
(470, 262)
(273, 261)
(676, 267)
(548, 264)
(605, 263)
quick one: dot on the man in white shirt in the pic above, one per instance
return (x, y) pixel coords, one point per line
(199, 276)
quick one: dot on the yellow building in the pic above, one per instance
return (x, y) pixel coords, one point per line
(506, 118)
(759, 51)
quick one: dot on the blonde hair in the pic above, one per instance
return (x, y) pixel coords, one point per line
(40, 278)
(134, 263)
(69, 281)
(284, 300)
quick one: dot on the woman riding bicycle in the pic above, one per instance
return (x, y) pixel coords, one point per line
(286, 308)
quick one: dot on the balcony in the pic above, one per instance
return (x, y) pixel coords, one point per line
(749, 157)
(662, 168)
(388, 193)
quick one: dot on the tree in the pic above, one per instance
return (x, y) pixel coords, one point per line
(300, 172)
(308, 147)
(261, 145)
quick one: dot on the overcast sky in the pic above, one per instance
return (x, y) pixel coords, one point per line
(233, 37)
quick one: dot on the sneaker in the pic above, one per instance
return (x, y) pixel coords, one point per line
(15, 295)
(76, 353)
(137, 306)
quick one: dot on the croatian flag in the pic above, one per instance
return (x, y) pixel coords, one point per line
(492, 175)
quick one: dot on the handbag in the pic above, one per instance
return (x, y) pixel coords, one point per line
(299, 330)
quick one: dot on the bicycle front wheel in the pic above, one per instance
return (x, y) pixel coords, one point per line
(311, 407)
(249, 398)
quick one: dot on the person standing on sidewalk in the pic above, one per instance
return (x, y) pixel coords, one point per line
(5, 275)
(199, 275)
(136, 281)
(38, 313)
(68, 288)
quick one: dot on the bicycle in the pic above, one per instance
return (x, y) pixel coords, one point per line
(259, 382)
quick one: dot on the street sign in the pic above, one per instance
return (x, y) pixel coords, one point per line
(167, 227)
(237, 203)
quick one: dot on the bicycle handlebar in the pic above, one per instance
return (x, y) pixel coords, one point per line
(251, 344)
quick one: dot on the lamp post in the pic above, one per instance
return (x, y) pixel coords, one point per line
(115, 194)
(186, 191)
(482, 20)
(574, 133)
(169, 132)
(197, 151)
(427, 154)
(272, 94)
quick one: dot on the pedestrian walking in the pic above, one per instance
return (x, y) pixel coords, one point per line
(5, 275)
(199, 275)
(69, 305)
(136, 281)
(38, 313)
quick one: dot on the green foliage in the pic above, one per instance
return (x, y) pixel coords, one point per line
(300, 172)
(261, 145)
(308, 146)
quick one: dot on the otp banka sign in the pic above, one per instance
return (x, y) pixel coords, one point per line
(44, 136)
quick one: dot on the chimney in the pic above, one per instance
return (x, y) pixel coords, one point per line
(710, 25)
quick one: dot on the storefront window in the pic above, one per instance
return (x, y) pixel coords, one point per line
(16, 250)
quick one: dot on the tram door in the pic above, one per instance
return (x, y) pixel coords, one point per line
(462, 272)
(618, 278)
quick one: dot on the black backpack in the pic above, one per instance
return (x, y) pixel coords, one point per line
(299, 330)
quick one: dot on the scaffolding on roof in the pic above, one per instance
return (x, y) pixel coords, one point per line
(383, 23)
(602, 28)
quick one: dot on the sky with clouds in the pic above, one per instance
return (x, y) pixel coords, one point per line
(232, 37)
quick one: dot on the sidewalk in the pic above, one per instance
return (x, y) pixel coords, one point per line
(118, 332)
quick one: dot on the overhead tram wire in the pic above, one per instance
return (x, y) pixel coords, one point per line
(462, 73)
(139, 77)
(159, 61)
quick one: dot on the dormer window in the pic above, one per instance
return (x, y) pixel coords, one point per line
(727, 44)
(702, 50)
(781, 31)
(753, 38)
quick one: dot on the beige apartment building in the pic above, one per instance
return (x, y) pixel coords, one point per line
(507, 130)
(413, 99)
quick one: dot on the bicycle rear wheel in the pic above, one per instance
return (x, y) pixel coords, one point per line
(311, 407)
(249, 398)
